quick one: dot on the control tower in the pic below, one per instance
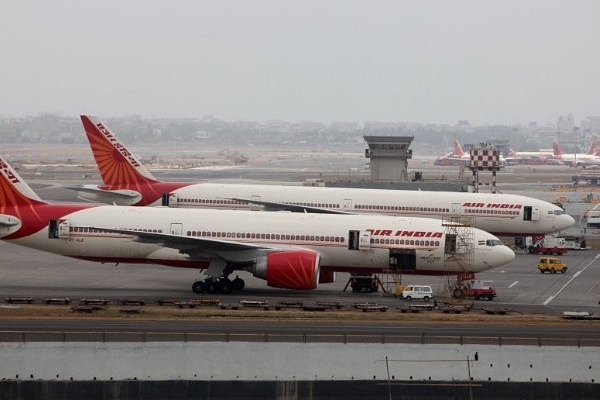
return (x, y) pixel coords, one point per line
(389, 157)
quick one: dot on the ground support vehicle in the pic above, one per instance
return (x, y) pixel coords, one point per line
(551, 265)
(478, 289)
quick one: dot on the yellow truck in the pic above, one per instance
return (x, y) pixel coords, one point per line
(552, 265)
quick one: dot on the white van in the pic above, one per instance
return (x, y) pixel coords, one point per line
(417, 292)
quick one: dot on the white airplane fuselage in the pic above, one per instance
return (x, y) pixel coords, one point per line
(86, 234)
(500, 214)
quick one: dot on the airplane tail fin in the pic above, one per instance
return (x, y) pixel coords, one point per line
(592, 149)
(14, 192)
(556, 148)
(117, 165)
(457, 149)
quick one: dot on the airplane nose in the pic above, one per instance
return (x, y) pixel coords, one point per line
(506, 255)
(499, 256)
(566, 221)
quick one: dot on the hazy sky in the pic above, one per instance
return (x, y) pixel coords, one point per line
(421, 61)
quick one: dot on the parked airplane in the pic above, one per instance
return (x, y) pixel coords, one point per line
(531, 157)
(454, 158)
(288, 250)
(127, 182)
(576, 159)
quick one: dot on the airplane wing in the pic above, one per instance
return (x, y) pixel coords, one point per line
(274, 206)
(187, 244)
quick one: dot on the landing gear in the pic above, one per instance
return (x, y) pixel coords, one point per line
(220, 285)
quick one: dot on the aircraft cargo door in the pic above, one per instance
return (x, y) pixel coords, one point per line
(403, 260)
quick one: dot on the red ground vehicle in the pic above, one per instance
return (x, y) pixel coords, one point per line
(479, 290)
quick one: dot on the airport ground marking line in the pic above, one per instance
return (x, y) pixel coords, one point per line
(513, 284)
(575, 275)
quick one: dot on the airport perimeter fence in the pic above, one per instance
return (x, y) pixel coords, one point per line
(154, 336)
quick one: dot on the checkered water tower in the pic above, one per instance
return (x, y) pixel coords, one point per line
(484, 158)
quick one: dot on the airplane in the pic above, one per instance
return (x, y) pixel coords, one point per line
(576, 159)
(128, 182)
(530, 157)
(288, 250)
(456, 157)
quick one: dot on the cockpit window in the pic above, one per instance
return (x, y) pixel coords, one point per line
(559, 212)
(494, 242)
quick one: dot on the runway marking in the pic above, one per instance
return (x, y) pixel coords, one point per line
(513, 284)
(575, 275)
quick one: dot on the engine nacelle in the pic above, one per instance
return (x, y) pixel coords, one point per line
(289, 269)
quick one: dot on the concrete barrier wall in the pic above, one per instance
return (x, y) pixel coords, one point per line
(285, 362)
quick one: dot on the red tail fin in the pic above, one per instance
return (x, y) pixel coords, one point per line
(457, 149)
(118, 167)
(556, 149)
(16, 197)
(14, 191)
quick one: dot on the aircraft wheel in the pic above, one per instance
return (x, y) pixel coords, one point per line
(211, 286)
(238, 284)
(198, 287)
(225, 286)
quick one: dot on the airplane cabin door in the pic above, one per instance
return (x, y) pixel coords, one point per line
(176, 229)
(455, 209)
(64, 229)
(531, 213)
(347, 204)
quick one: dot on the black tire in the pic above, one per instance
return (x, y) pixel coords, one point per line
(408, 298)
(211, 286)
(198, 287)
(426, 298)
(225, 286)
(490, 298)
(458, 293)
(563, 271)
(553, 271)
(238, 284)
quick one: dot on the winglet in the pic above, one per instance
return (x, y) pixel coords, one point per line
(117, 165)
(14, 191)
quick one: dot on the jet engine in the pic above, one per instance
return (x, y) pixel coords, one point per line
(289, 269)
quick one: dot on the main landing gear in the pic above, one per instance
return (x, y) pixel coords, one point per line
(221, 285)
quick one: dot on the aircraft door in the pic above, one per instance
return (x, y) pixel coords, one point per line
(255, 206)
(166, 199)
(347, 204)
(64, 229)
(450, 244)
(531, 213)
(455, 209)
(358, 240)
(176, 229)
(403, 260)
